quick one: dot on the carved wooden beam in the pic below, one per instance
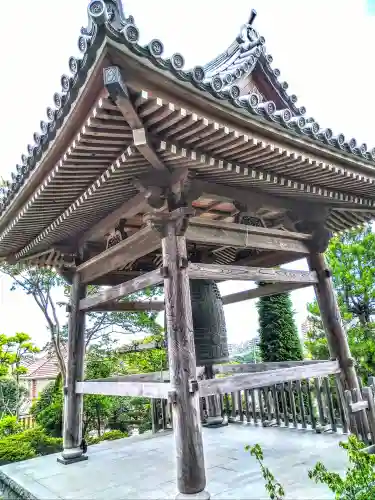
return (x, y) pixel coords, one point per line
(132, 248)
(229, 234)
(251, 198)
(119, 93)
(223, 272)
(150, 305)
(117, 292)
(129, 208)
(262, 291)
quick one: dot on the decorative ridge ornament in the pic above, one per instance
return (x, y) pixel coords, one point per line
(106, 18)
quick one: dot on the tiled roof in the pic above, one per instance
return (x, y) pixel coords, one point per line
(218, 78)
(46, 366)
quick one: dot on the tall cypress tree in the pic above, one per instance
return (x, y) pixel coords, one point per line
(279, 339)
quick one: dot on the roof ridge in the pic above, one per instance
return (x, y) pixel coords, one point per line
(107, 18)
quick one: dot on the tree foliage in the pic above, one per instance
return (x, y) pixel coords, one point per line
(279, 339)
(43, 284)
(351, 257)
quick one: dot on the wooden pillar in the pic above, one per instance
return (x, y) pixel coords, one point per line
(191, 477)
(331, 317)
(73, 403)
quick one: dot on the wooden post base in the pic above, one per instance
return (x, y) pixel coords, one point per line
(202, 495)
(215, 421)
(72, 460)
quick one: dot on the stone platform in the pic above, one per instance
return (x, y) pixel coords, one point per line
(142, 467)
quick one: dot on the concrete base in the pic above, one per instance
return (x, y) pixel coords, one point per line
(67, 461)
(202, 495)
(143, 467)
(215, 422)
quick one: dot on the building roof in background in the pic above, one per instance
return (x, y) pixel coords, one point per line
(46, 366)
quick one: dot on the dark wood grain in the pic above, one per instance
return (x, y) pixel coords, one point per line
(128, 209)
(224, 272)
(116, 292)
(190, 466)
(234, 235)
(149, 305)
(336, 336)
(132, 248)
(72, 431)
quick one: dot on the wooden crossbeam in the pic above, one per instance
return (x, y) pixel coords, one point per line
(129, 208)
(116, 292)
(262, 291)
(241, 236)
(249, 230)
(262, 367)
(157, 390)
(223, 272)
(239, 382)
(149, 305)
(132, 248)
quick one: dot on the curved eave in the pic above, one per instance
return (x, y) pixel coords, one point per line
(119, 37)
(245, 119)
(39, 163)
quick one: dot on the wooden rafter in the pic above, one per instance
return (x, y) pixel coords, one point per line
(120, 95)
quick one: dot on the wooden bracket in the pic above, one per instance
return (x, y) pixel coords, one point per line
(324, 274)
(172, 397)
(193, 386)
(164, 271)
(119, 93)
(180, 217)
(183, 263)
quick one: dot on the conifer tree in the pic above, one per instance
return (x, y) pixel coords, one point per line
(279, 340)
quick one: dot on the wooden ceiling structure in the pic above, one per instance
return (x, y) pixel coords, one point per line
(230, 127)
(146, 173)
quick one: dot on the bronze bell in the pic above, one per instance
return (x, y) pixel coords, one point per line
(210, 332)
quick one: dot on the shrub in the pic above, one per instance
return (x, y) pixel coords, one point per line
(9, 425)
(28, 444)
(48, 408)
(359, 480)
(112, 435)
(357, 484)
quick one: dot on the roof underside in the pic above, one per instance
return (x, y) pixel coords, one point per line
(80, 170)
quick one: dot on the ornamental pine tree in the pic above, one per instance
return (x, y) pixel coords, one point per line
(279, 340)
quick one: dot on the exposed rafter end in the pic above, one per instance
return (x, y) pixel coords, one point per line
(119, 93)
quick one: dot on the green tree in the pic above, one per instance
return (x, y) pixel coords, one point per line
(351, 257)
(12, 396)
(43, 285)
(279, 339)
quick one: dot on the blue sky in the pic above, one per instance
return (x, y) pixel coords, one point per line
(324, 50)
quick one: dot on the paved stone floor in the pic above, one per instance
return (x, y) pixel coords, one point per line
(142, 467)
